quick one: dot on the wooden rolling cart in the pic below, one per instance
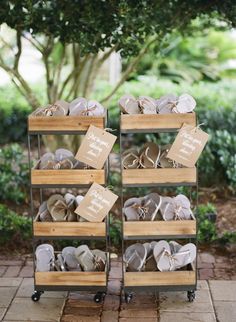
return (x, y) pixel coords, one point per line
(151, 230)
(74, 178)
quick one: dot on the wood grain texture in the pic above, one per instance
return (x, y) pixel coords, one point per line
(67, 176)
(76, 229)
(64, 123)
(146, 122)
(70, 278)
(159, 176)
(159, 278)
(159, 228)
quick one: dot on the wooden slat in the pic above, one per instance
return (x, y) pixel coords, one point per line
(159, 228)
(159, 176)
(70, 278)
(63, 123)
(146, 122)
(87, 229)
(159, 278)
(67, 176)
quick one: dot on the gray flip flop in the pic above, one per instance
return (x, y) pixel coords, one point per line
(85, 258)
(44, 258)
(100, 259)
(134, 257)
(70, 260)
(78, 106)
(43, 213)
(147, 105)
(129, 105)
(57, 207)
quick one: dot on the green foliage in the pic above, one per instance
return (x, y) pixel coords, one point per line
(115, 231)
(228, 237)
(13, 173)
(205, 55)
(206, 228)
(126, 24)
(14, 228)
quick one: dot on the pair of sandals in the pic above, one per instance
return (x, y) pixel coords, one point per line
(150, 156)
(61, 159)
(59, 208)
(162, 256)
(154, 207)
(70, 259)
(79, 106)
(166, 104)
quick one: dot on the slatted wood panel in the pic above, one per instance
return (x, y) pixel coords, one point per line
(62, 124)
(153, 123)
(172, 176)
(159, 278)
(70, 278)
(67, 177)
(159, 228)
(87, 229)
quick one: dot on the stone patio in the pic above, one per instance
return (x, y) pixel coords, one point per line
(215, 301)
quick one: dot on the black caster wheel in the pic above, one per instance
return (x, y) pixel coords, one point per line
(191, 296)
(128, 297)
(36, 296)
(99, 297)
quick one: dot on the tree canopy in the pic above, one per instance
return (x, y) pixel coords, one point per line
(99, 24)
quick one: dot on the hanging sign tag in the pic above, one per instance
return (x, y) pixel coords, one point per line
(96, 204)
(95, 147)
(188, 145)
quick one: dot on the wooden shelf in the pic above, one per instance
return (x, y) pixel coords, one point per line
(69, 229)
(63, 124)
(159, 229)
(167, 176)
(67, 177)
(70, 278)
(141, 123)
(174, 278)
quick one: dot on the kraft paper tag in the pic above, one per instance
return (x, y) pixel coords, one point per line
(95, 147)
(188, 145)
(96, 204)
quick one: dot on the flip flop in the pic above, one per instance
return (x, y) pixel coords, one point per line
(59, 263)
(150, 264)
(148, 248)
(131, 208)
(129, 105)
(166, 103)
(68, 255)
(165, 162)
(100, 259)
(70, 201)
(57, 207)
(147, 105)
(44, 258)
(160, 247)
(47, 161)
(130, 159)
(186, 255)
(59, 108)
(85, 258)
(154, 204)
(149, 155)
(186, 104)
(95, 108)
(78, 106)
(134, 257)
(170, 262)
(43, 213)
(62, 154)
(174, 247)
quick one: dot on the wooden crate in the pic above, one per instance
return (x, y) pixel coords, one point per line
(67, 177)
(155, 123)
(174, 278)
(159, 229)
(162, 176)
(63, 124)
(70, 278)
(76, 229)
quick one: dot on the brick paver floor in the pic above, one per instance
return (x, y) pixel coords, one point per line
(215, 299)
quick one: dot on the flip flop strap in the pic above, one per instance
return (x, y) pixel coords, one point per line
(145, 153)
(131, 154)
(50, 108)
(89, 109)
(142, 210)
(97, 262)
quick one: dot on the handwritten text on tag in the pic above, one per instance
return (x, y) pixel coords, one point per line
(188, 145)
(95, 148)
(96, 204)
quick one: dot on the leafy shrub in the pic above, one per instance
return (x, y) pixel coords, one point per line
(13, 115)
(13, 173)
(115, 231)
(206, 228)
(14, 228)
